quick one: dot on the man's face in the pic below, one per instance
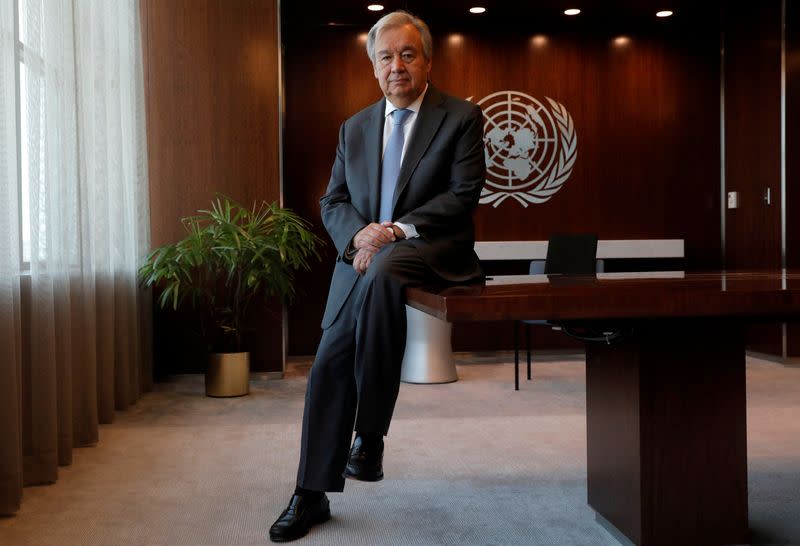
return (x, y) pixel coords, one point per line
(400, 65)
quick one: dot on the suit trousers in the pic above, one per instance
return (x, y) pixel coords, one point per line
(355, 377)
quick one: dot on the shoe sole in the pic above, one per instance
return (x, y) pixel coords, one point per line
(319, 518)
(356, 477)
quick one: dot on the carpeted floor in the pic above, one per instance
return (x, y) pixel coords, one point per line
(471, 462)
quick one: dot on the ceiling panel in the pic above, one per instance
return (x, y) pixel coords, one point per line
(453, 13)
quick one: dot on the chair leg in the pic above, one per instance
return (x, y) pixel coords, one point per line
(528, 346)
(516, 355)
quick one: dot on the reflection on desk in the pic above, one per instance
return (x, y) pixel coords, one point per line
(757, 294)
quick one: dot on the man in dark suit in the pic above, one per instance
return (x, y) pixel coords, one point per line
(404, 185)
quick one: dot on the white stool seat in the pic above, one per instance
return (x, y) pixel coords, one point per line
(428, 356)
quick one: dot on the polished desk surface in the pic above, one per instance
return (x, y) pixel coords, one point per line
(767, 293)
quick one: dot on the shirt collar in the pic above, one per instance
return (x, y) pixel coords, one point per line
(414, 106)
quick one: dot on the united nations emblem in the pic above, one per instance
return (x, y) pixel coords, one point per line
(530, 149)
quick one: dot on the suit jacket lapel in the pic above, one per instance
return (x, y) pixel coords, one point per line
(373, 148)
(429, 119)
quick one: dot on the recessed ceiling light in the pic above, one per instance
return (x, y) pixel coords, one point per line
(477, 9)
(621, 41)
(664, 13)
(540, 40)
(375, 7)
(572, 11)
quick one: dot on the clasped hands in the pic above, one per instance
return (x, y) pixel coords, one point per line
(369, 240)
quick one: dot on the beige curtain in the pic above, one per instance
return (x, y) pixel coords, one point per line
(74, 225)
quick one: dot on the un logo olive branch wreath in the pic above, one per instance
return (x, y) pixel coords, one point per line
(546, 184)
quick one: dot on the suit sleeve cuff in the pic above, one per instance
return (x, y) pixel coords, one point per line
(349, 253)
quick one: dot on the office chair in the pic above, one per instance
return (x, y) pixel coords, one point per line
(567, 254)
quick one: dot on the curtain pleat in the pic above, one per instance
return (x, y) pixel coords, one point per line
(104, 299)
(122, 347)
(83, 328)
(64, 370)
(75, 327)
(10, 417)
(10, 388)
(40, 443)
(10, 365)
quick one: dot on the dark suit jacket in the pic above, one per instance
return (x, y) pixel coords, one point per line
(437, 191)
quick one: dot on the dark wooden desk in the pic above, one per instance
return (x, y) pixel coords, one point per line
(665, 407)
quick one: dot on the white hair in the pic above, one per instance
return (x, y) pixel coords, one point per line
(398, 19)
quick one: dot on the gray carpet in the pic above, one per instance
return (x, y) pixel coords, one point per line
(471, 462)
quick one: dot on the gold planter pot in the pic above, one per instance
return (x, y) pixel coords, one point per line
(228, 374)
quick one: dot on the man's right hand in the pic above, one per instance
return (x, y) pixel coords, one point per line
(362, 260)
(373, 237)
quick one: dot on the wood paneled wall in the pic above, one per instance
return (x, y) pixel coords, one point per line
(752, 134)
(212, 97)
(325, 83)
(646, 113)
(792, 134)
(792, 157)
(753, 155)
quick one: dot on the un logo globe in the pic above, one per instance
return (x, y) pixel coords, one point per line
(530, 148)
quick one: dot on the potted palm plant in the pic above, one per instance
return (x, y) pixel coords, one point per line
(230, 256)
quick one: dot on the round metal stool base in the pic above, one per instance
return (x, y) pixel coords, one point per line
(428, 356)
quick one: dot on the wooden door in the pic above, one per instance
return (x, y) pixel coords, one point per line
(752, 160)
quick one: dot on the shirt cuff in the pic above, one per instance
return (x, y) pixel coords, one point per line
(409, 230)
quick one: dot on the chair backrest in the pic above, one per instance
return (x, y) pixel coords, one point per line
(573, 253)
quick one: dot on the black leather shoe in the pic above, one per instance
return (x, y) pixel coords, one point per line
(365, 462)
(299, 517)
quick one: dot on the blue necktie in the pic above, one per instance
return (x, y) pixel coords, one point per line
(391, 163)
